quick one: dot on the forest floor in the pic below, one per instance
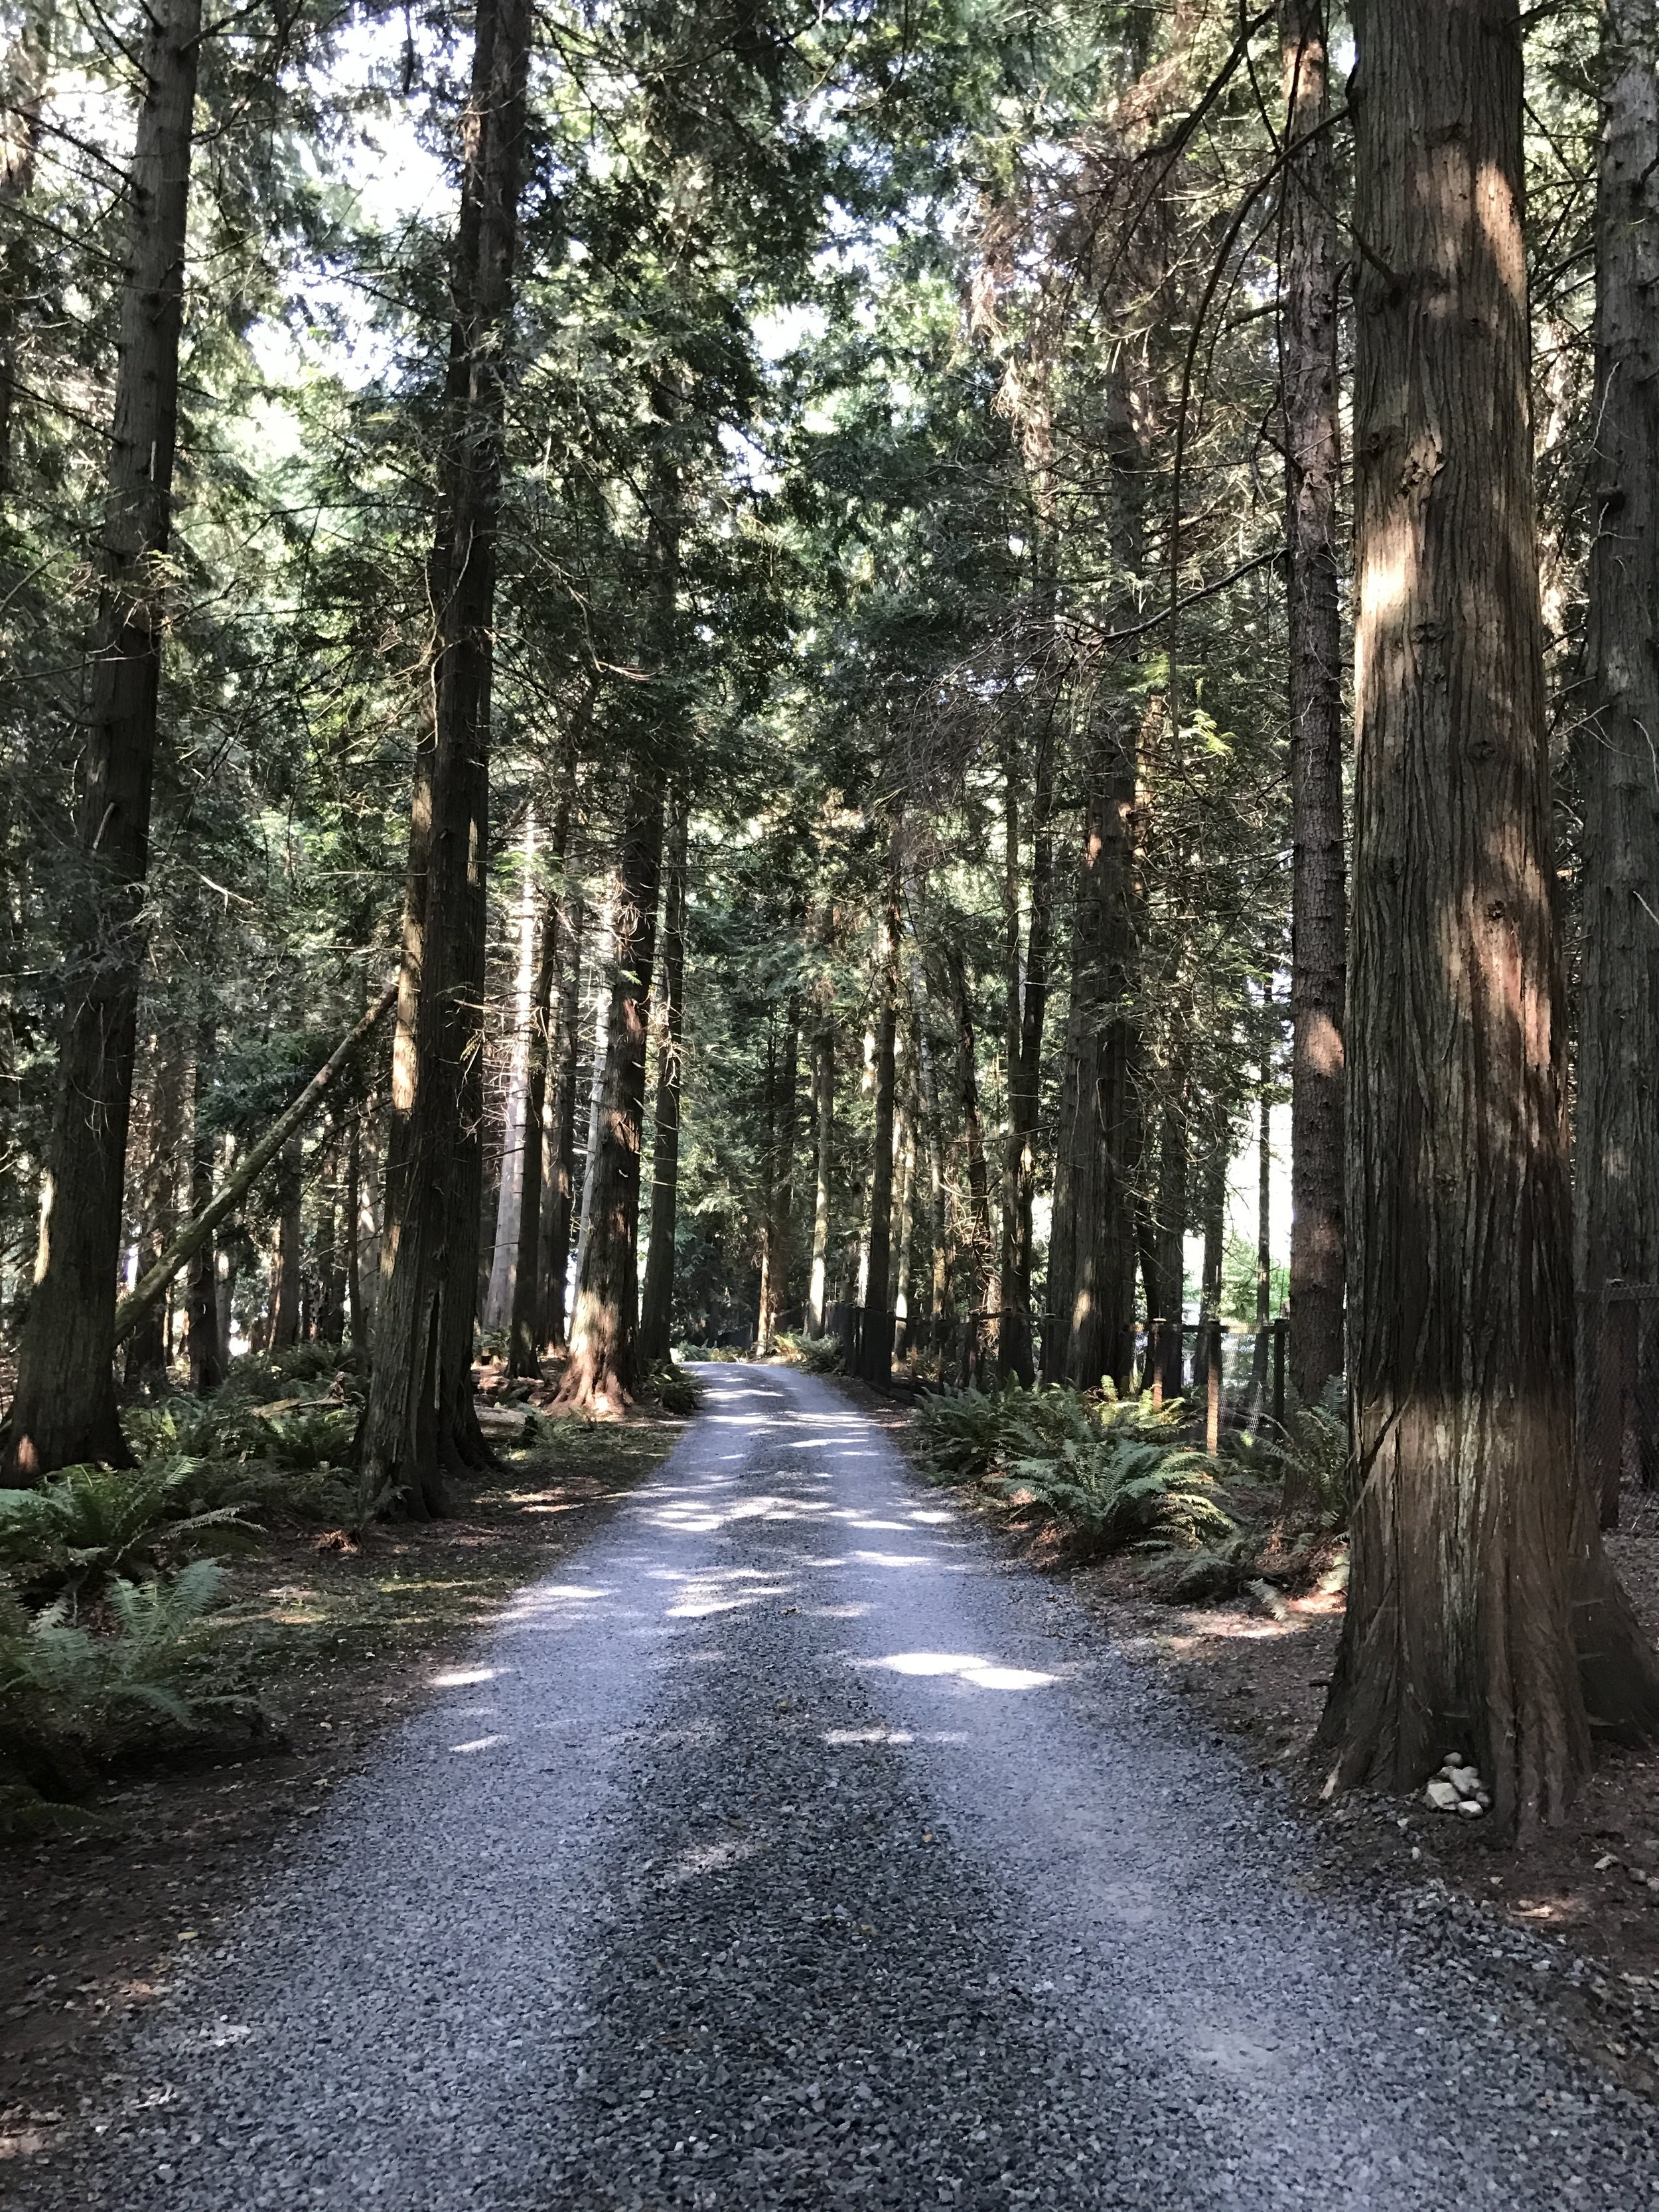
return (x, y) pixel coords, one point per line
(338, 1641)
(1260, 1678)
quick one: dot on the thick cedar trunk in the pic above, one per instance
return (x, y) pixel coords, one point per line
(1312, 261)
(1471, 1541)
(201, 1334)
(876, 1362)
(419, 1414)
(64, 1407)
(823, 1103)
(529, 1005)
(602, 1373)
(555, 946)
(657, 1300)
(559, 1137)
(1616, 1157)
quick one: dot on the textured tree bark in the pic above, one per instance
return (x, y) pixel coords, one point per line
(656, 1301)
(1471, 1546)
(554, 949)
(1217, 1159)
(202, 1338)
(64, 1407)
(823, 1102)
(1169, 1222)
(904, 1227)
(1264, 1247)
(939, 1280)
(419, 1415)
(876, 1363)
(528, 1007)
(160, 1148)
(1616, 1157)
(1311, 261)
(559, 1132)
(602, 1373)
(356, 1319)
(1026, 987)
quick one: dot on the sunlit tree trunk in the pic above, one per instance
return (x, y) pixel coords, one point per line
(64, 1407)
(418, 1420)
(528, 1005)
(933, 1133)
(559, 1138)
(987, 1289)
(824, 1100)
(1616, 1158)
(1312, 265)
(1475, 1560)
(159, 1153)
(877, 1359)
(1026, 989)
(555, 948)
(1169, 1223)
(656, 1301)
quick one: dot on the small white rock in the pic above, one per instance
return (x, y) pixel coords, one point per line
(1441, 1796)
(1472, 1806)
(1465, 1780)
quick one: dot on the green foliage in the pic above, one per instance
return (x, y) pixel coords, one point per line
(674, 1390)
(90, 1524)
(72, 1701)
(1117, 1489)
(1112, 1468)
(305, 1435)
(1312, 1459)
(819, 1355)
(1238, 1266)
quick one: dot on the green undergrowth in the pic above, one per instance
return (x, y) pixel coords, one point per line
(188, 1607)
(1120, 1474)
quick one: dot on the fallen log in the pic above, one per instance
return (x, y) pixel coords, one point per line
(150, 1288)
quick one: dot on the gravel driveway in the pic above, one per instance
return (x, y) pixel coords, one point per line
(790, 1851)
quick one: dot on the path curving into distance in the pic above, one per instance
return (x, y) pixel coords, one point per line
(790, 1849)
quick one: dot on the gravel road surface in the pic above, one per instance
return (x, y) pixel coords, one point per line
(791, 1849)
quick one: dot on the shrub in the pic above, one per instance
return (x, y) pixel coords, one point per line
(89, 1524)
(1119, 1489)
(674, 1390)
(968, 1434)
(1313, 1463)
(72, 1702)
(819, 1355)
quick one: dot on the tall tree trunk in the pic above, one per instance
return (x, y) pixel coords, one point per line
(904, 1224)
(823, 1102)
(202, 1338)
(559, 1134)
(285, 1251)
(602, 966)
(356, 1318)
(656, 1303)
(1616, 1157)
(602, 1373)
(876, 1363)
(159, 1151)
(329, 1319)
(555, 947)
(64, 1407)
(1264, 1247)
(1473, 1554)
(938, 1266)
(987, 1290)
(1170, 1227)
(780, 1196)
(1312, 263)
(23, 88)
(1217, 1159)
(1026, 987)
(418, 1417)
(529, 1004)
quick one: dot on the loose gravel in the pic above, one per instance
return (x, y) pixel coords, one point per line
(792, 1850)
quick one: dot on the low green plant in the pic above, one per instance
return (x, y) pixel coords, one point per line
(1117, 1489)
(1312, 1461)
(819, 1355)
(674, 1390)
(87, 1525)
(72, 1702)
